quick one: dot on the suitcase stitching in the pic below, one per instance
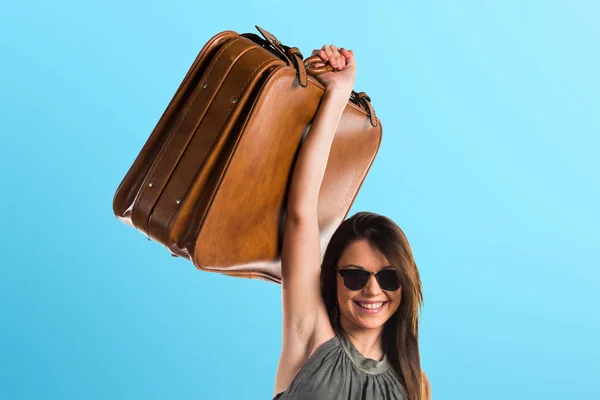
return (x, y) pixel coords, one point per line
(252, 76)
(186, 111)
(220, 54)
(223, 172)
(125, 182)
(244, 87)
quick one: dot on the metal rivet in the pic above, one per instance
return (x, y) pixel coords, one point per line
(178, 201)
(150, 184)
(235, 99)
(205, 85)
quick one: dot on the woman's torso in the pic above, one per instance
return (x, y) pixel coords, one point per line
(337, 370)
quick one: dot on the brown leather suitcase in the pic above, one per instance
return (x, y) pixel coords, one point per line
(210, 182)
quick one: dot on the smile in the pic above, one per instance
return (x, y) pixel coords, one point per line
(370, 308)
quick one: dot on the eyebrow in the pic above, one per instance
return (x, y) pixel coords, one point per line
(363, 268)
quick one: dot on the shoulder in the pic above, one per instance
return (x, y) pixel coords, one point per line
(313, 358)
(425, 387)
(308, 375)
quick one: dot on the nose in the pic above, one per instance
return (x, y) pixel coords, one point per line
(372, 287)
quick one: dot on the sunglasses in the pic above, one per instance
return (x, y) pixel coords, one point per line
(356, 279)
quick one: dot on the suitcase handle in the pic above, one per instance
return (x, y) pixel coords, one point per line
(314, 71)
(293, 56)
(358, 98)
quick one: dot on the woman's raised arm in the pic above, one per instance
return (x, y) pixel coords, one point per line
(305, 321)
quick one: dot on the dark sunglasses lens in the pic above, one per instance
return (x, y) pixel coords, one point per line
(388, 280)
(355, 279)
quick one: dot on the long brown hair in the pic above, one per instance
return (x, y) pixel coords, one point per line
(400, 339)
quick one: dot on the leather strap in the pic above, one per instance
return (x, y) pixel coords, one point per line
(275, 44)
(365, 100)
(359, 98)
(291, 54)
(306, 67)
(296, 56)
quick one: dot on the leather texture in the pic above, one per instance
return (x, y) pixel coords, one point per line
(210, 182)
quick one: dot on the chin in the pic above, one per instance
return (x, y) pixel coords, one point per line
(369, 325)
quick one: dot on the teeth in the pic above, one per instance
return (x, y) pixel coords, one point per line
(371, 306)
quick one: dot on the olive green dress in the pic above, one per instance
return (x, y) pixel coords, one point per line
(337, 370)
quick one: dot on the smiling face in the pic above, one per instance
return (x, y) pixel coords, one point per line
(369, 307)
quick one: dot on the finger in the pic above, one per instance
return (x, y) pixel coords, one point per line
(338, 57)
(349, 56)
(335, 56)
(328, 53)
(331, 58)
(321, 55)
(342, 59)
(341, 62)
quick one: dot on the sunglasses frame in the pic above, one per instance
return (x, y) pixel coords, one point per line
(341, 271)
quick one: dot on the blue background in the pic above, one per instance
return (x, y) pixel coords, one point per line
(489, 162)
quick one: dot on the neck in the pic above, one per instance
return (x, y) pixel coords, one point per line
(367, 341)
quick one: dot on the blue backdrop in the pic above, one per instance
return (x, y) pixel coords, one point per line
(489, 162)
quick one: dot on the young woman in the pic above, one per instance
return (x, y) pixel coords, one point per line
(350, 323)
